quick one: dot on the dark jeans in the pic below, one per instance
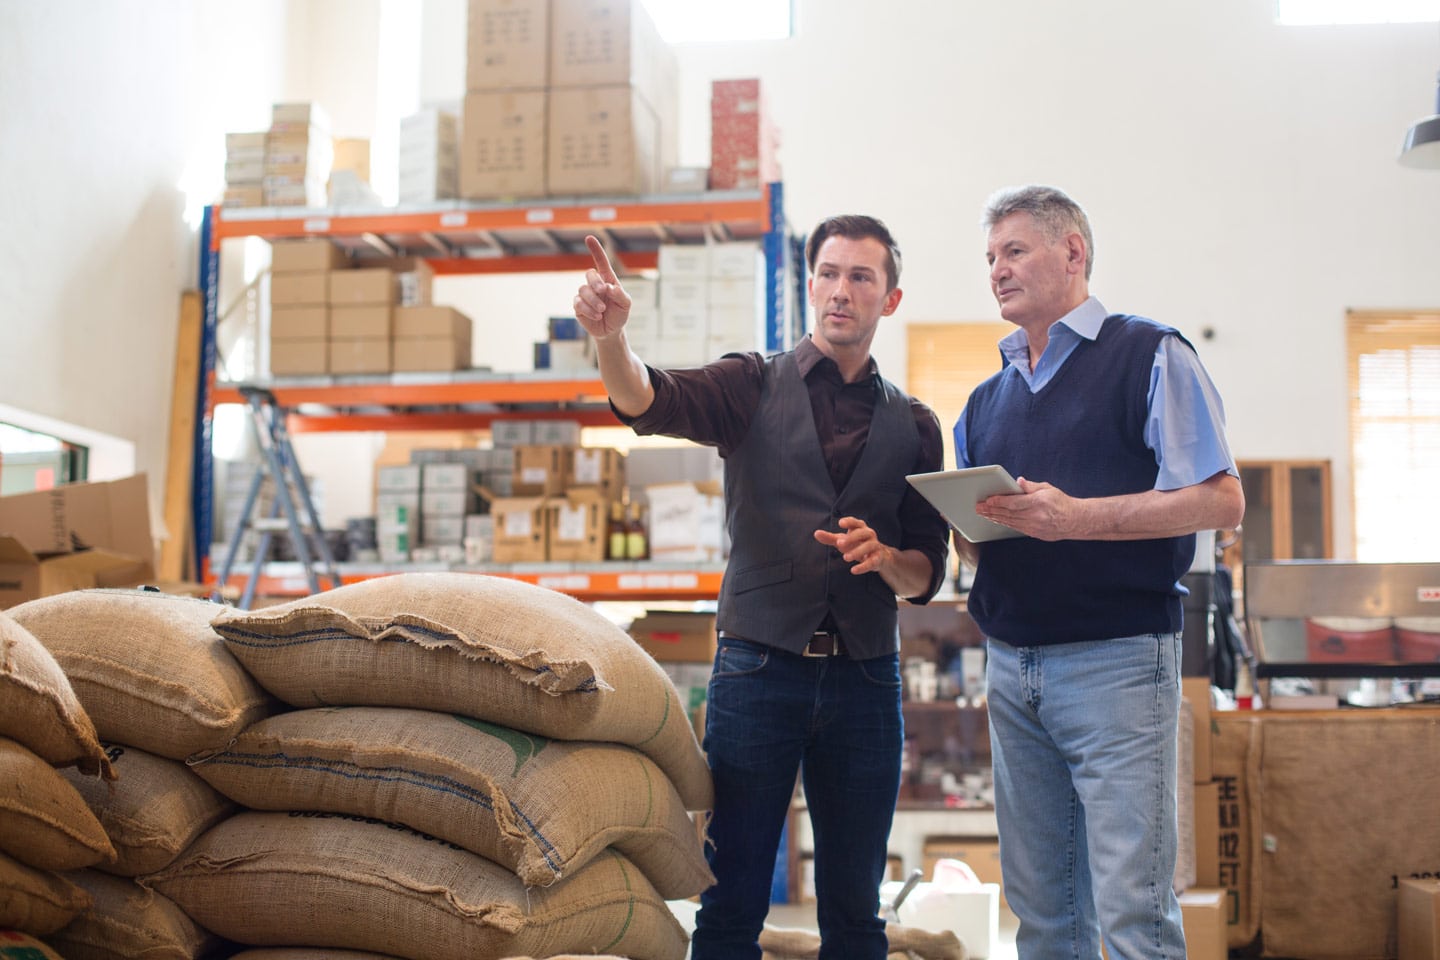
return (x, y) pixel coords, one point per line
(838, 723)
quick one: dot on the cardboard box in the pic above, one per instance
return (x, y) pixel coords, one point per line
(431, 354)
(676, 637)
(1207, 834)
(298, 114)
(112, 515)
(502, 148)
(1196, 690)
(368, 355)
(430, 321)
(542, 469)
(299, 357)
(299, 323)
(520, 529)
(597, 42)
(687, 521)
(361, 323)
(1419, 919)
(576, 526)
(370, 285)
(25, 575)
(309, 288)
(601, 468)
(1203, 913)
(602, 140)
(305, 255)
(400, 476)
(249, 141)
(237, 195)
(507, 44)
(980, 854)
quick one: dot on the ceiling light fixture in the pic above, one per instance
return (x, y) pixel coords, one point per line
(1422, 140)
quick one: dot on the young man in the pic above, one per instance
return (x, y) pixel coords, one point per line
(825, 533)
(1116, 436)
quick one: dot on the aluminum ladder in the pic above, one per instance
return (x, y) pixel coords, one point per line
(292, 498)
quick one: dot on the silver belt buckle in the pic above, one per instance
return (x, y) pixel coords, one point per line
(834, 645)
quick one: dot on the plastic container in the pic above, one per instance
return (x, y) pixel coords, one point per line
(1417, 639)
(1349, 640)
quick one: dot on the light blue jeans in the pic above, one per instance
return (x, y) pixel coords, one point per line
(1083, 737)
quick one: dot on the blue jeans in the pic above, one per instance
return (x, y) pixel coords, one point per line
(1083, 737)
(838, 723)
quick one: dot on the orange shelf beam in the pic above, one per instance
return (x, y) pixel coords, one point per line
(753, 210)
(427, 394)
(552, 263)
(588, 586)
(459, 420)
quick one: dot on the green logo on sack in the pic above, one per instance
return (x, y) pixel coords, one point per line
(525, 745)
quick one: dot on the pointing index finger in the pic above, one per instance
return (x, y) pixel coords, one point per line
(602, 260)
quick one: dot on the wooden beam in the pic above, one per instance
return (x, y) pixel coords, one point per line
(177, 551)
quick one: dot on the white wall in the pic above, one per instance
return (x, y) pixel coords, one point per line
(1239, 175)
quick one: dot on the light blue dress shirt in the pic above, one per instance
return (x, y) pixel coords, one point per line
(1186, 426)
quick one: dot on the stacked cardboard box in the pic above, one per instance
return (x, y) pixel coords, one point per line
(362, 313)
(743, 138)
(711, 302)
(298, 156)
(429, 157)
(245, 169)
(447, 495)
(566, 349)
(397, 511)
(300, 272)
(350, 175)
(566, 97)
(431, 338)
(613, 99)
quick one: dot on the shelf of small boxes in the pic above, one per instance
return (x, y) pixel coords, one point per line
(541, 512)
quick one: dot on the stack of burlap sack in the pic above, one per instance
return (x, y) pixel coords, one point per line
(425, 766)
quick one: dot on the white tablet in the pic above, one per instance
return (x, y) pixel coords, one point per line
(955, 492)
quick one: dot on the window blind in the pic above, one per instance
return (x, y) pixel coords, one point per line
(1394, 380)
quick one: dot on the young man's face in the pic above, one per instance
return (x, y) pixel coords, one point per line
(849, 291)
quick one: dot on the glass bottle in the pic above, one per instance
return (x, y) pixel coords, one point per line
(637, 542)
(616, 539)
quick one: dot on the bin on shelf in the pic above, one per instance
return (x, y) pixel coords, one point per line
(1417, 639)
(1349, 639)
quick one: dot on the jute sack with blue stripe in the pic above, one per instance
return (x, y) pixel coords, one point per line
(147, 668)
(328, 880)
(542, 808)
(490, 648)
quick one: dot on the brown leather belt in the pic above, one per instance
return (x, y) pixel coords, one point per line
(823, 643)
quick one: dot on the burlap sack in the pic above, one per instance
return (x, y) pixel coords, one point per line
(1351, 801)
(44, 822)
(15, 945)
(128, 922)
(38, 707)
(907, 943)
(308, 953)
(147, 667)
(542, 808)
(1235, 759)
(486, 647)
(1184, 877)
(272, 879)
(156, 808)
(37, 902)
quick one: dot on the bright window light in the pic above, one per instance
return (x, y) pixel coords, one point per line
(1310, 12)
(685, 20)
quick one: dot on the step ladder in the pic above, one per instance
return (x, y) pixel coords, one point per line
(292, 499)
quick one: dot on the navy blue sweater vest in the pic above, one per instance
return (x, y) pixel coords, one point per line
(1084, 433)
(780, 581)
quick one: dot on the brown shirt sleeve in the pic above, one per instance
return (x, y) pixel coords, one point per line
(713, 404)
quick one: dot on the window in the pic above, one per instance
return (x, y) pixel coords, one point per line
(683, 20)
(1394, 373)
(948, 360)
(1311, 12)
(36, 461)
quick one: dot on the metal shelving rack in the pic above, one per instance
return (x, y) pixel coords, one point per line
(459, 238)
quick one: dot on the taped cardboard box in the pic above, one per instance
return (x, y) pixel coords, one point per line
(576, 526)
(113, 515)
(520, 529)
(1419, 919)
(676, 636)
(25, 575)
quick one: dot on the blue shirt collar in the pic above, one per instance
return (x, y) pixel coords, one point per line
(1085, 321)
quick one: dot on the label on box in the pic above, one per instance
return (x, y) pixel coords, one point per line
(517, 524)
(587, 466)
(571, 522)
